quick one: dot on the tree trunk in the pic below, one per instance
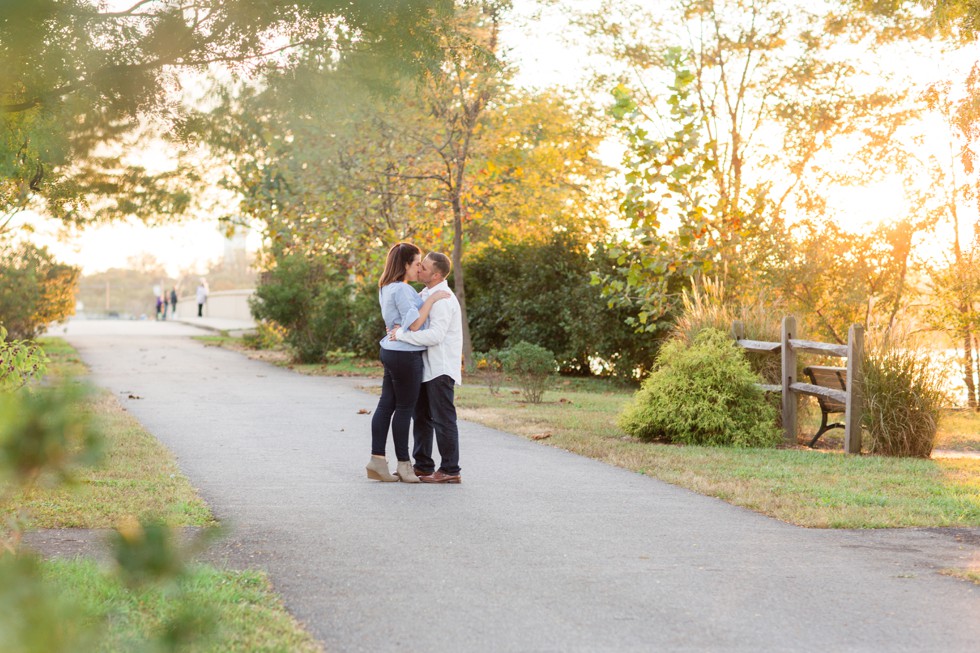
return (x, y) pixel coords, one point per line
(971, 388)
(459, 283)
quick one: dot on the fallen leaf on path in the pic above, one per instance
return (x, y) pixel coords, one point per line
(541, 436)
(364, 411)
(135, 396)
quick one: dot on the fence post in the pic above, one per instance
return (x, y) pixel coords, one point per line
(789, 377)
(855, 389)
(738, 330)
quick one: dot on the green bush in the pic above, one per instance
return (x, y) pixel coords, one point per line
(310, 301)
(45, 434)
(542, 293)
(533, 368)
(706, 306)
(21, 362)
(318, 310)
(903, 397)
(267, 335)
(35, 290)
(702, 394)
(367, 325)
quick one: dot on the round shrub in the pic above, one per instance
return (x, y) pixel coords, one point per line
(903, 397)
(704, 393)
(532, 366)
(316, 308)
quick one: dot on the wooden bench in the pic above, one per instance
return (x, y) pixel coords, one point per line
(834, 381)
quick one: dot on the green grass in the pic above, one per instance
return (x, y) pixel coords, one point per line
(342, 366)
(221, 340)
(248, 614)
(809, 488)
(959, 430)
(63, 359)
(972, 575)
(138, 475)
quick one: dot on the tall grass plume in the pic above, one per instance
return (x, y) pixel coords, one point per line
(904, 395)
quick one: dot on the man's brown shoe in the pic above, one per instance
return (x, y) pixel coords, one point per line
(440, 476)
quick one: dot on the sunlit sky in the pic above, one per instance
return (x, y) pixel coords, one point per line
(534, 43)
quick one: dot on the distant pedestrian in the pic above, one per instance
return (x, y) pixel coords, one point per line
(159, 307)
(202, 296)
(173, 302)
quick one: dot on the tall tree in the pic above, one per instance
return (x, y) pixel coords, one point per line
(536, 173)
(457, 160)
(956, 284)
(454, 99)
(726, 106)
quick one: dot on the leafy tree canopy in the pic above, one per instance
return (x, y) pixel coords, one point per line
(75, 74)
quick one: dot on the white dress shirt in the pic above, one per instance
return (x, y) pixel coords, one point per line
(443, 337)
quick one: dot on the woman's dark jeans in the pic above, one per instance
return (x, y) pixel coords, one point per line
(399, 392)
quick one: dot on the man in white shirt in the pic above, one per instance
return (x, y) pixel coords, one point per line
(442, 362)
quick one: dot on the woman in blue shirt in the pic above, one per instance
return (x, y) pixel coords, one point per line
(400, 305)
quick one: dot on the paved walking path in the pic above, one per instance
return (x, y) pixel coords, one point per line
(537, 550)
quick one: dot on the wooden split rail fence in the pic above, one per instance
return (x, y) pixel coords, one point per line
(790, 346)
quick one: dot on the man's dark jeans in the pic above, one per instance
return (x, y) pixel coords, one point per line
(436, 411)
(399, 392)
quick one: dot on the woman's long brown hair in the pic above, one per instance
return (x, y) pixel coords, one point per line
(400, 255)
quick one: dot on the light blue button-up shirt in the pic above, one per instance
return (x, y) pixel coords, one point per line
(399, 305)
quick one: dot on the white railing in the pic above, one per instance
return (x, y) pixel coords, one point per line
(224, 304)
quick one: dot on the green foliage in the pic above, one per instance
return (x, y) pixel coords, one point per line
(666, 176)
(316, 307)
(533, 366)
(366, 324)
(904, 394)
(146, 553)
(350, 158)
(34, 615)
(541, 293)
(715, 162)
(78, 73)
(45, 435)
(703, 394)
(267, 335)
(20, 362)
(38, 614)
(35, 290)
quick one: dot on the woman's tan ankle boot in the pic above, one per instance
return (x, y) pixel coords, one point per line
(406, 473)
(377, 469)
